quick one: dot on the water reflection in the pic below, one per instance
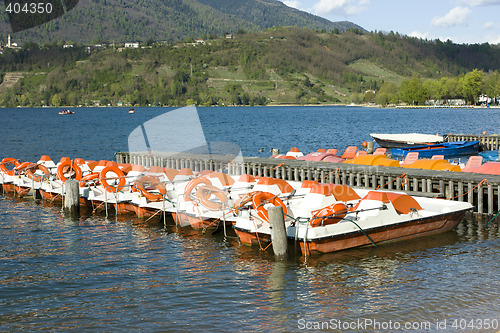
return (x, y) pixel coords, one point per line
(95, 273)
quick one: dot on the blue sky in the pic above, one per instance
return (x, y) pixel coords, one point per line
(462, 21)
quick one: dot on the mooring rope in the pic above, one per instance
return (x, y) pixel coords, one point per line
(494, 217)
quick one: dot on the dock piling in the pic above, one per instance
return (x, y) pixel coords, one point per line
(369, 147)
(278, 232)
(72, 198)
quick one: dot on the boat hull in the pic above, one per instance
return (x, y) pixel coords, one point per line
(9, 188)
(51, 196)
(23, 191)
(398, 144)
(405, 140)
(203, 223)
(394, 232)
(252, 238)
(448, 149)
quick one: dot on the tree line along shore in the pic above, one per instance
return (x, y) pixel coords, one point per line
(276, 66)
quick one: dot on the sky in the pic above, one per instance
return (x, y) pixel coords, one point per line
(461, 21)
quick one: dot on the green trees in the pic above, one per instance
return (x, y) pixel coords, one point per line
(472, 85)
(468, 87)
(388, 94)
(56, 100)
(492, 84)
(413, 91)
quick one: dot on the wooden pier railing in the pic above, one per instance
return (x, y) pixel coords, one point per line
(479, 189)
(487, 142)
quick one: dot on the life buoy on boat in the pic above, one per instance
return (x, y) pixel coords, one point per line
(243, 200)
(30, 173)
(90, 176)
(120, 176)
(260, 199)
(63, 168)
(204, 193)
(192, 184)
(8, 160)
(19, 168)
(147, 183)
(329, 215)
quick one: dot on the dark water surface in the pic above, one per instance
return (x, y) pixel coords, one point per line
(96, 274)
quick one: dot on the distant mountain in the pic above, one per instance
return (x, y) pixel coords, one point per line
(167, 20)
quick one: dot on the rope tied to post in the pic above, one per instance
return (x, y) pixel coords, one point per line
(472, 189)
(403, 182)
(277, 166)
(330, 173)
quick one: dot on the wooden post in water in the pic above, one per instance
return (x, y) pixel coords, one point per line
(278, 232)
(369, 147)
(72, 197)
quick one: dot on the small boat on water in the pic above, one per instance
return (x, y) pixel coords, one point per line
(66, 111)
(405, 140)
(447, 149)
(131, 111)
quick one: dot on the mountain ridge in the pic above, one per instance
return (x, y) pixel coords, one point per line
(168, 20)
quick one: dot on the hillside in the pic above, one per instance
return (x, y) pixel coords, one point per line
(277, 65)
(167, 20)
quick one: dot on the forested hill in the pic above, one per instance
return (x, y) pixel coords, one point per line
(277, 65)
(166, 20)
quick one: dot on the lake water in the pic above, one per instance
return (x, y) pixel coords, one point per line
(96, 274)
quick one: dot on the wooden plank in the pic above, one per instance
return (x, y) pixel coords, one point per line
(490, 199)
(480, 209)
(460, 191)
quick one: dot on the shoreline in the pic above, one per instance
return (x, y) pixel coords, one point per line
(402, 107)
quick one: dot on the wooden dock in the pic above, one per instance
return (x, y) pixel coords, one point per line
(486, 142)
(479, 189)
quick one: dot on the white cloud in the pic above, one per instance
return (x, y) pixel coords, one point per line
(418, 34)
(456, 16)
(346, 7)
(292, 3)
(476, 3)
(489, 25)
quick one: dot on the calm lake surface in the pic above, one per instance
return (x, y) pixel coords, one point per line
(114, 274)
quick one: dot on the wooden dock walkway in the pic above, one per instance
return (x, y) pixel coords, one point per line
(479, 189)
(487, 142)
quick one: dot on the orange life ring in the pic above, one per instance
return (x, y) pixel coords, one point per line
(90, 176)
(67, 164)
(329, 215)
(203, 193)
(120, 176)
(19, 168)
(8, 160)
(146, 183)
(243, 200)
(192, 184)
(30, 173)
(260, 199)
